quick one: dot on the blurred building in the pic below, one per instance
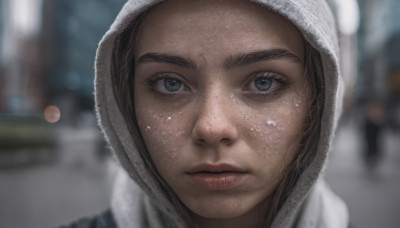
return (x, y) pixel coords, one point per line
(347, 20)
(2, 76)
(77, 28)
(1, 32)
(51, 63)
(19, 48)
(379, 55)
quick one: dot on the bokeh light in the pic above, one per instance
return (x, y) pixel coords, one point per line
(52, 114)
(348, 16)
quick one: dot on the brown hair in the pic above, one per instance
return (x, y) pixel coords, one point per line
(123, 80)
(313, 75)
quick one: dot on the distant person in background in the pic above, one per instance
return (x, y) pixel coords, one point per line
(373, 127)
(2, 89)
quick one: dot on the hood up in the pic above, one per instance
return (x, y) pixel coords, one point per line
(141, 203)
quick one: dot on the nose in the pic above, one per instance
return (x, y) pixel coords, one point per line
(215, 123)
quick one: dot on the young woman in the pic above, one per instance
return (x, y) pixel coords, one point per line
(221, 113)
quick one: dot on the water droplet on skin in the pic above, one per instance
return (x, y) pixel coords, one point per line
(173, 153)
(251, 129)
(271, 123)
(169, 118)
(148, 127)
(297, 105)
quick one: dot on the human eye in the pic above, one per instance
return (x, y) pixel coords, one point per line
(167, 83)
(266, 83)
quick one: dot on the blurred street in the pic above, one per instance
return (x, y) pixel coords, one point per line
(77, 184)
(372, 197)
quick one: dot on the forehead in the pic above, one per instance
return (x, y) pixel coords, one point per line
(201, 26)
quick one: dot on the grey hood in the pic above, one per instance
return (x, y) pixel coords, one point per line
(136, 192)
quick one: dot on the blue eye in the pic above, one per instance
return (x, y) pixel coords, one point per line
(266, 83)
(167, 83)
(172, 84)
(262, 83)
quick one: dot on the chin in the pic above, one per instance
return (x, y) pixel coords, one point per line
(224, 213)
(220, 209)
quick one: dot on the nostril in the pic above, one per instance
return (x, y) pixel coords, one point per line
(226, 140)
(201, 141)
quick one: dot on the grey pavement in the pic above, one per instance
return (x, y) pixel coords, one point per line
(52, 194)
(373, 198)
(78, 183)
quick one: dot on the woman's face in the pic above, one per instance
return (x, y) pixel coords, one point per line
(220, 100)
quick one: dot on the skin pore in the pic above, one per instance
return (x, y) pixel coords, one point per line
(220, 84)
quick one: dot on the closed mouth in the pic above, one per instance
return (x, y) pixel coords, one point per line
(216, 177)
(215, 169)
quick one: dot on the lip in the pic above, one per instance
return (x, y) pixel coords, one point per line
(216, 177)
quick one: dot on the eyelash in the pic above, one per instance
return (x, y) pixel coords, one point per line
(282, 81)
(275, 77)
(156, 78)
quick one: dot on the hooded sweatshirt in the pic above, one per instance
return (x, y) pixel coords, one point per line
(138, 201)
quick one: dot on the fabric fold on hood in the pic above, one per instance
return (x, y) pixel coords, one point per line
(138, 200)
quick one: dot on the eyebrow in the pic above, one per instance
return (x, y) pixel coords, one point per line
(164, 58)
(231, 62)
(259, 56)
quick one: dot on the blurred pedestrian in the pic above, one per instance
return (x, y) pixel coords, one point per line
(373, 125)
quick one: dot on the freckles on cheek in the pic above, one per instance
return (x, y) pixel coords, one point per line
(162, 133)
(269, 134)
(273, 130)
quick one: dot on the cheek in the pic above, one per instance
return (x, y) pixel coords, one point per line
(162, 133)
(275, 131)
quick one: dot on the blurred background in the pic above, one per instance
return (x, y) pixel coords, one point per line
(56, 168)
